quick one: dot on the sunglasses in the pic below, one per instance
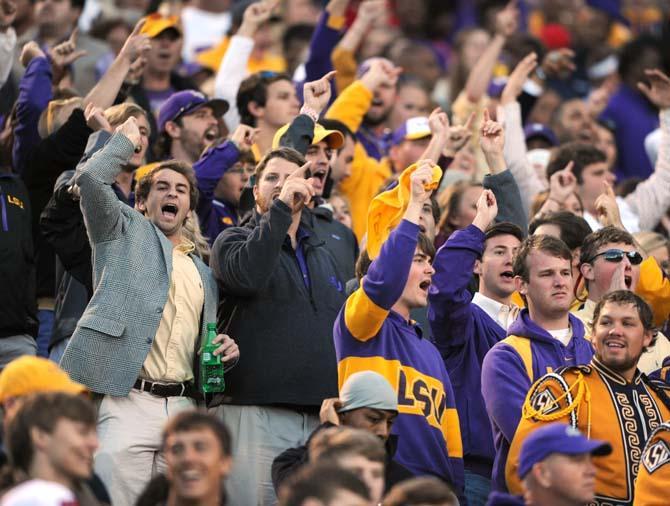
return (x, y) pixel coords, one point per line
(616, 256)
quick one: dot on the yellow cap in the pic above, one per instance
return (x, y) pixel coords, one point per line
(333, 138)
(155, 24)
(29, 375)
(142, 171)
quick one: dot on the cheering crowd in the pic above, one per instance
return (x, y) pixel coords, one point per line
(433, 238)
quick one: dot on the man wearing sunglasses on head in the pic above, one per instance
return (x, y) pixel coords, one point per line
(611, 261)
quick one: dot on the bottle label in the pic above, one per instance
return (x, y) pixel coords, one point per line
(206, 356)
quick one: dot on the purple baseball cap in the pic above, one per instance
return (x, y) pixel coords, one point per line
(185, 102)
(557, 438)
(539, 130)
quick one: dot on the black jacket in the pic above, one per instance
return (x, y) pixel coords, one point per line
(340, 240)
(283, 328)
(287, 463)
(54, 154)
(18, 303)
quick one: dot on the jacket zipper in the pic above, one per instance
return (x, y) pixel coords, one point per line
(3, 206)
(636, 401)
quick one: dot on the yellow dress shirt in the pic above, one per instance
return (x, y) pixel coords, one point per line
(171, 356)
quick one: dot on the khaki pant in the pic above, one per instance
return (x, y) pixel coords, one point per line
(259, 435)
(129, 429)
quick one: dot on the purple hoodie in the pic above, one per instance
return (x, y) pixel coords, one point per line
(506, 381)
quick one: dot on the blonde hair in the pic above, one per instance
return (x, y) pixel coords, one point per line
(119, 113)
(192, 232)
(49, 121)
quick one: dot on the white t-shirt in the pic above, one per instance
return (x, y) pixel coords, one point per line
(202, 30)
(563, 335)
(39, 493)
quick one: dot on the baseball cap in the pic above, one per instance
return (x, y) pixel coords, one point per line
(557, 438)
(412, 129)
(186, 102)
(155, 24)
(539, 130)
(28, 375)
(143, 170)
(334, 138)
(496, 86)
(367, 389)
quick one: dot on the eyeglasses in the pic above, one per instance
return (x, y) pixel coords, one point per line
(616, 256)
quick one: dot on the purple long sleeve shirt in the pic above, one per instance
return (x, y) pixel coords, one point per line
(215, 216)
(34, 96)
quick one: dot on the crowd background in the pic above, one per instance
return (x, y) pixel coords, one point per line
(400, 214)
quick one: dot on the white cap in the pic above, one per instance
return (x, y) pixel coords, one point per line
(39, 493)
(367, 389)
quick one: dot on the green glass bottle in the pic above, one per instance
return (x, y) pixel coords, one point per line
(211, 367)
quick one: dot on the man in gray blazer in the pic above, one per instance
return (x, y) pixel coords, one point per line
(138, 339)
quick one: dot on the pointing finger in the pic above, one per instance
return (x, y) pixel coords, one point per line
(301, 172)
(138, 27)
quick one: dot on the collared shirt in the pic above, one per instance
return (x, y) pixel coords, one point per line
(171, 356)
(500, 313)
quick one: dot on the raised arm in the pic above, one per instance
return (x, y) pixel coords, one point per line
(651, 198)
(7, 39)
(34, 96)
(450, 310)
(324, 39)
(107, 88)
(233, 68)
(100, 206)
(353, 102)
(514, 151)
(479, 78)
(500, 180)
(243, 262)
(344, 54)
(367, 308)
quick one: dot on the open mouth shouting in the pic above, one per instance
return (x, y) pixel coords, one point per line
(507, 276)
(628, 280)
(211, 134)
(169, 211)
(425, 285)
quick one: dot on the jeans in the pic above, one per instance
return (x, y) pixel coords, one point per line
(477, 488)
(12, 347)
(46, 318)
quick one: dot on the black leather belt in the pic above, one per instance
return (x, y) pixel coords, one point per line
(165, 389)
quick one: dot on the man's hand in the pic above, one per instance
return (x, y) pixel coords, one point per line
(7, 14)
(328, 412)
(95, 118)
(487, 210)
(255, 15)
(458, 136)
(597, 101)
(607, 208)
(507, 20)
(562, 184)
(659, 91)
(130, 130)
(421, 179)
(618, 281)
(65, 54)
(297, 191)
(337, 7)
(134, 75)
(516, 79)
(371, 12)
(229, 351)
(30, 50)
(380, 71)
(492, 136)
(558, 63)
(244, 137)
(317, 94)
(439, 123)
(137, 45)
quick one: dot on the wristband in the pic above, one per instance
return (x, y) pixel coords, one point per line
(308, 111)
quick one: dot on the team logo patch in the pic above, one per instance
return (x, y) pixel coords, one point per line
(656, 455)
(543, 401)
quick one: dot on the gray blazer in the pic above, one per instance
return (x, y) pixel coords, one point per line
(132, 263)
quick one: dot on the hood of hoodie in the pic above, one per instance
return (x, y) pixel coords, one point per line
(525, 327)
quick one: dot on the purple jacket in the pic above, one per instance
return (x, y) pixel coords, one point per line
(215, 216)
(528, 350)
(464, 334)
(634, 118)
